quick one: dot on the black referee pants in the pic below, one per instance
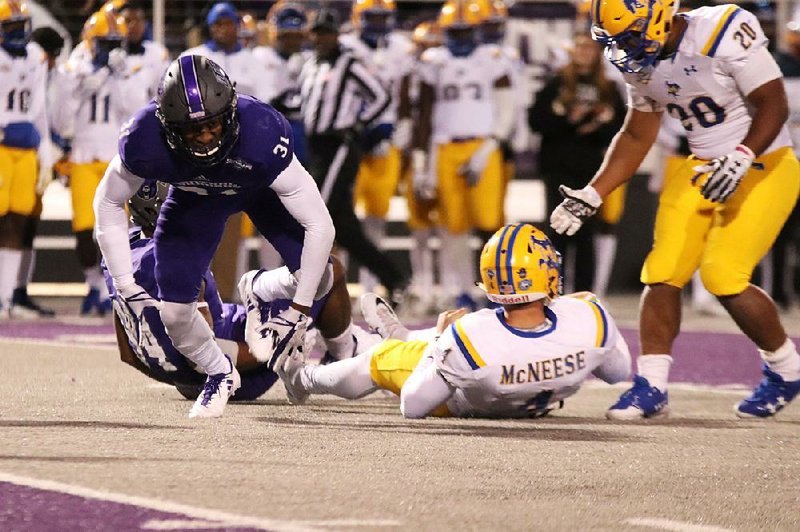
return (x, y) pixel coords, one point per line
(333, 161)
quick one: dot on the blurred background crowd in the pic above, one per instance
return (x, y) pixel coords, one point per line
(525, 102)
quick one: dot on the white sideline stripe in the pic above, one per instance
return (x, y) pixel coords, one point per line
(180, 524)
(677, 526)
(217, 517)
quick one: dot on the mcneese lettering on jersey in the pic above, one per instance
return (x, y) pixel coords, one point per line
(544, 370)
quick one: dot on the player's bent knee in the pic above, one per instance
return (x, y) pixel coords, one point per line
(723, 280)
(186, 327)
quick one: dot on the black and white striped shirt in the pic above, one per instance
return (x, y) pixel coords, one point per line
(336, 95)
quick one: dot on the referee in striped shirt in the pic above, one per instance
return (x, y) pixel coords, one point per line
(339, 97)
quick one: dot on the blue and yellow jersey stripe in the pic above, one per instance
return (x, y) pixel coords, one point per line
(716, 36)
(602, 323)
(465, 346)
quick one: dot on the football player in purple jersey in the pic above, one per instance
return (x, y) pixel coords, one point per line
(222, 153)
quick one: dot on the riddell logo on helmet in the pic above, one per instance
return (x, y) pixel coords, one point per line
(197, 114)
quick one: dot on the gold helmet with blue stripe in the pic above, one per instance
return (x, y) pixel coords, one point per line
(518, 265)
(633, 32)
(104, 31)
(15, 25)
(460, 21)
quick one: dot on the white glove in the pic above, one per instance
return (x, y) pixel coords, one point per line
(287, 330)
(577, 207)
(117, 61)
(92, 82)
(723, 174)
(473, 169)
(44, 178)
(403, 131)
(137, 298)
(423, 181)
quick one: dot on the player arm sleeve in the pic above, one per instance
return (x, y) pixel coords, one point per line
(617, 364)
(754, 70)
(640, 102)
(299, 194)
(111, 226)
(379, 98)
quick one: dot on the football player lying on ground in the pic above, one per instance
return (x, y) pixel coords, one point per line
(145, 345)
(519, 360)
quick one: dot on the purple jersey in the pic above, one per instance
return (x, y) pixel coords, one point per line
(263, 150)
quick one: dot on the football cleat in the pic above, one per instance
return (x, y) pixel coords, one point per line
(257, 337)
(770, 396)
(289, 368)
(381, 318)
(215, 393)
(641, 401)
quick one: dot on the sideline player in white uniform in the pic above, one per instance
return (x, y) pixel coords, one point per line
(722, 210)
(389, 55)
(466, 105)
(225, 49)
(24, 140)
(520, 360)
(96, 96)
(147, 60)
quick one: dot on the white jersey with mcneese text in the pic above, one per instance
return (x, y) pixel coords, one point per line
(721, 58)
(500, 371)
(464, 106)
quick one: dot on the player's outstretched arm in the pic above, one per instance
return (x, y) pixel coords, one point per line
(111, 225)
(627, 150)
(617, 365)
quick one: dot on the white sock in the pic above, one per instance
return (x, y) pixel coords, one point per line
(342, 346)
(26, 267)
(605, 249)
(10, 260)
(655, 368)
(375, 229)
(785, 361)
(94, 278)
(349, 378)
(275, 284)
(447, 253)
(421, 257)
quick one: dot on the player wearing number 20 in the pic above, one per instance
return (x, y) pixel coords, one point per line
(722, 210)
(222, 153)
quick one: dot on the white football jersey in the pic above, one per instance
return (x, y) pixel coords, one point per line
(464, 106)
(239, 66)
(500, 371)
(389, 63)
(92, 119)
(273, 74)
(148, 67)
(721, 58)
(23, 88)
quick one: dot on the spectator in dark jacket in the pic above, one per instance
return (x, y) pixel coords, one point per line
(577, 113)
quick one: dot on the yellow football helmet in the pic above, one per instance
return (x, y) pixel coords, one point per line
(104, 31)
(458, 14)
(519, 265)
(494, 15)
(373, 19)
(427, 35)
(633, 32)
(15, 24)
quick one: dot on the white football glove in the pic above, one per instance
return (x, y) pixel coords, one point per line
(137, 298)
(287, 330)
(473, 169)
(724, 173)
(117, 61)
(423, 180)
(577, 207)
(92, 82)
